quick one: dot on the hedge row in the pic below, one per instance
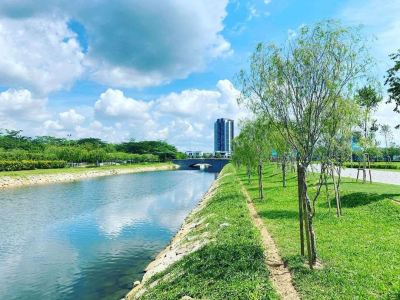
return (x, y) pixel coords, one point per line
(17, 165)
(392, 166)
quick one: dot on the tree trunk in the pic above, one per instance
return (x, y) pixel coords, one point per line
(260, 182)
(300, 197)
(284, 172)
(308, 220)
(337, 197)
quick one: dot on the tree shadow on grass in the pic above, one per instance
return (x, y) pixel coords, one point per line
(360, 198)
(278, 214)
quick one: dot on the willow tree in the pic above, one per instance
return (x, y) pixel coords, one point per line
(282, 148)
(334, 147)
(253, 146)
(243, 153)
(297, 86)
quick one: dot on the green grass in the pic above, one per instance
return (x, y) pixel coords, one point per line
(231, 266)
(360, 251)
(25, 173)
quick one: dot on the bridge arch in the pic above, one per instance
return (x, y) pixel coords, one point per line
(214, 165)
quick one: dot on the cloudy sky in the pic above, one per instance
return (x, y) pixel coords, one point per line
(150, 69)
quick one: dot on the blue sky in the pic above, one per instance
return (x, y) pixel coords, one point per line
(149, 69)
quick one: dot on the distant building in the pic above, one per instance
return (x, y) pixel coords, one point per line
(223, 136)
(194, 154)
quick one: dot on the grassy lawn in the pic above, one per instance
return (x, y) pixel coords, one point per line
(25, 173)
(360, 251)
(232, 265)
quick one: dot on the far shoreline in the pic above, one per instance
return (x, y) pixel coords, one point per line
(51, 176)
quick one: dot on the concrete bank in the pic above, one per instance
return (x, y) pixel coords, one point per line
(17, 181)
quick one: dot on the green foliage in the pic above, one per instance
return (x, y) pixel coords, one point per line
(13, 165)
(16, 147)
(367, 97)
(375, 165)
(164, 150)
(299, 85)
(393, 81)
(359, 251)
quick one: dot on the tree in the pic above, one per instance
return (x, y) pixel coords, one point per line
(282, 148)
(335, 147)
(393, 82)
(298, 87)
(257, 131)
(368, 99)
(242, 153)
(387, 135)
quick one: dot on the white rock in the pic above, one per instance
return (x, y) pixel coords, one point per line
(136, 283)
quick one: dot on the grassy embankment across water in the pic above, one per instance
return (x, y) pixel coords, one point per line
(231, 265)
(359, 251)
(75, 170)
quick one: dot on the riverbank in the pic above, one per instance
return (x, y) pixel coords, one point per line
(47, 176)
(217, 254)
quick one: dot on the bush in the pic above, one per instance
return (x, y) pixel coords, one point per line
(375, 165)
(18, 165)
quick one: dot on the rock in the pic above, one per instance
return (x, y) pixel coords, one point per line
(186, 298)
(136, 283)
(224, 225)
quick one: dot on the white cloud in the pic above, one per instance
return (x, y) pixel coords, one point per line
(142, 43)
(253, 13)
(39, 54)
(113, 103)
(71, 118)
(18, 108)
(185, 119)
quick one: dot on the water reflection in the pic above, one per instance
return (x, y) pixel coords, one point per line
(92, 238)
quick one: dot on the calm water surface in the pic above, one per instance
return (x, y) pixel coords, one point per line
(90, 239)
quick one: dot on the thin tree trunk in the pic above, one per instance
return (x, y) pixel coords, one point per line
(308, 220)
(336, 192)
(300, 201)
(260, 183)
(284, 172)
(327, 191)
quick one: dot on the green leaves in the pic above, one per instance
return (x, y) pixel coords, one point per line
(15, 165)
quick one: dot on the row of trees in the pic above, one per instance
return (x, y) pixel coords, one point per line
(309, 96)
(16, 147)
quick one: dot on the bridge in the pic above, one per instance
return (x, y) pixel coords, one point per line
(214, 165)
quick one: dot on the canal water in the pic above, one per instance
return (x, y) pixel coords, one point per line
(90, 239)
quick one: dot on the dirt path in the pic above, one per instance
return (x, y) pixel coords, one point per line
(279, 275)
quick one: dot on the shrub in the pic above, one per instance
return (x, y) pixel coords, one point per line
(18, 165)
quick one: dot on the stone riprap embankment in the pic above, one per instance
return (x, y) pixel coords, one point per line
(17, 181)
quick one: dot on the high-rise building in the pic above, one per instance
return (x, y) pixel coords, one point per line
(223, 136)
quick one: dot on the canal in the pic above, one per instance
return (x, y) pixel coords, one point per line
(90, 239)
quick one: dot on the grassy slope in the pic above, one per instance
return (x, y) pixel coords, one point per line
(76, 170)
(360, 251)
(230, 267)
